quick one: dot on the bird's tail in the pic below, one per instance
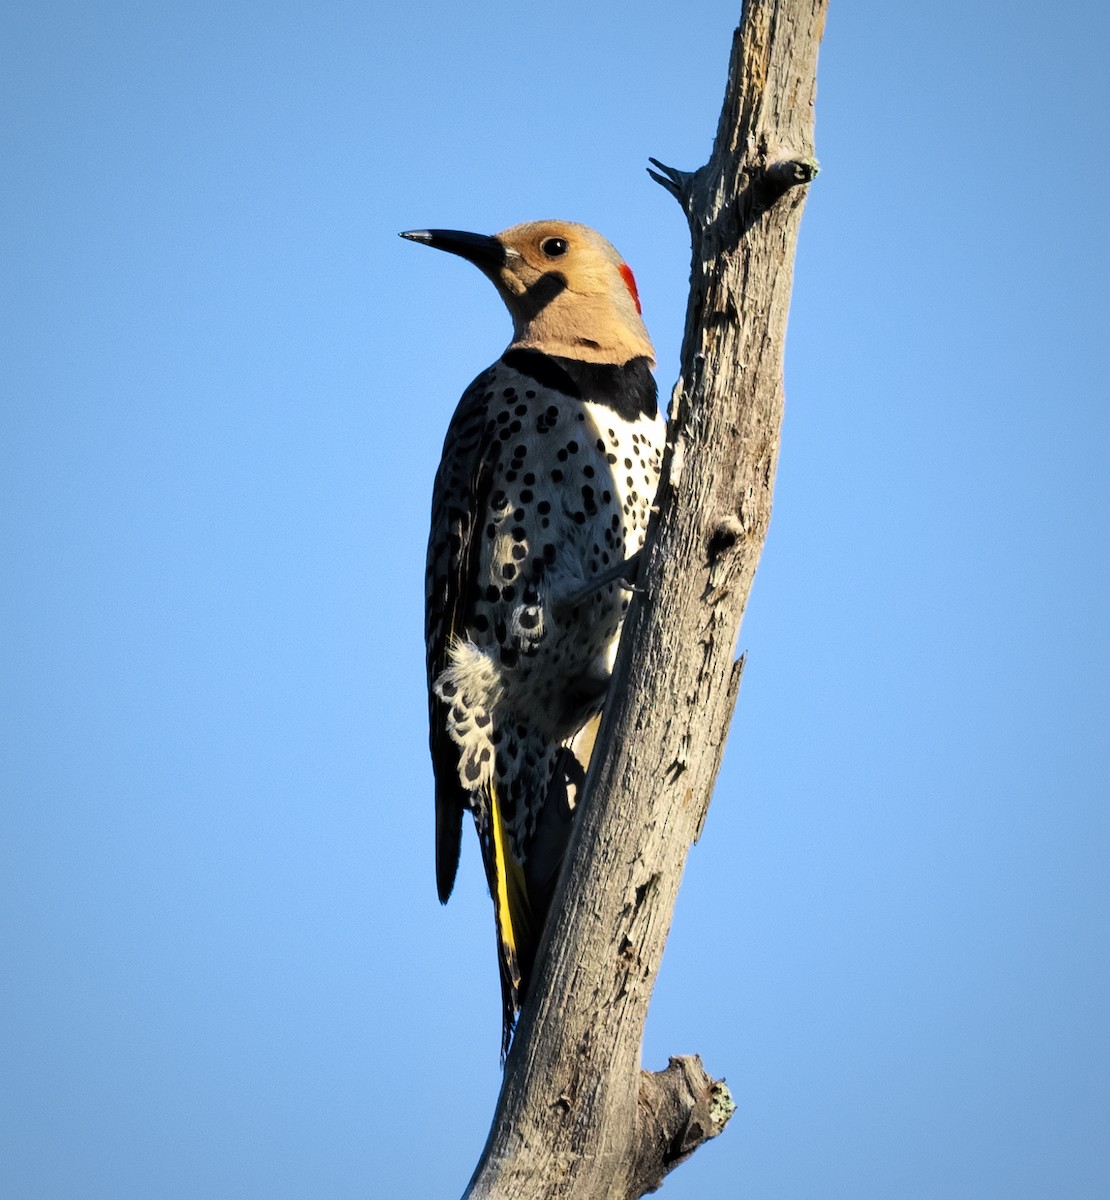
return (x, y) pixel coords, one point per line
(522, 891)
(516, 941)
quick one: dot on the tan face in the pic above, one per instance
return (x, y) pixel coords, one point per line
(569, 291)
(586, 262)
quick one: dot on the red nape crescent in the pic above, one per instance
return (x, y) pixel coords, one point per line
(630, 283)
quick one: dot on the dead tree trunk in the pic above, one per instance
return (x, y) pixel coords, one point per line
(577, 1117)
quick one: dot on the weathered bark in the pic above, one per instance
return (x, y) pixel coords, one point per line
(577, 1117)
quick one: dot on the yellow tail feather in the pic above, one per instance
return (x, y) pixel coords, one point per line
(513, 913)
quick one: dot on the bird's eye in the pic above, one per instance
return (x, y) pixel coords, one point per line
(554, 247)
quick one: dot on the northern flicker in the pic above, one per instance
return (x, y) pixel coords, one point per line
(542, 496)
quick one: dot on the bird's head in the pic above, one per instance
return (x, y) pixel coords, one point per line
(567, 289)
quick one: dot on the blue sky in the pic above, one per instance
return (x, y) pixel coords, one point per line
(224, 384)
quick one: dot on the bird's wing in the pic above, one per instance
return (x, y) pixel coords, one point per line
(459, 498)
(460, 504)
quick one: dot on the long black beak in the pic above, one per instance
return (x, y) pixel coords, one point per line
(477, 248)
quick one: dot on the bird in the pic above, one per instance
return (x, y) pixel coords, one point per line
(539, 509)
